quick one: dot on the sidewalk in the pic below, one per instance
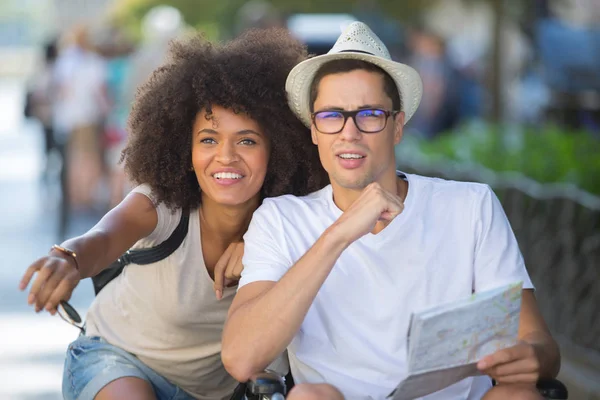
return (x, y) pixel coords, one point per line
(580, 372)
(32, 346)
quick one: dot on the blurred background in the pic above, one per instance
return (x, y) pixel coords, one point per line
(511, 98)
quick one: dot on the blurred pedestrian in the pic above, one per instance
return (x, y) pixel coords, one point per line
(40, 99)
(79, 112)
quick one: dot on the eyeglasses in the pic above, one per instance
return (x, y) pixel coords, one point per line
(70, 315)
(369, 120)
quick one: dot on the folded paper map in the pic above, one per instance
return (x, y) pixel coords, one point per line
(446, 342)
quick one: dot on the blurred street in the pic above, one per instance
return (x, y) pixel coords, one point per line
(31, 346)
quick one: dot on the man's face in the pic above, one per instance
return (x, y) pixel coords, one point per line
(354, 159)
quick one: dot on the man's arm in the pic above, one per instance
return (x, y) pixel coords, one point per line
(499, 260)
(535, 356)
(265, 316)
(533, 330)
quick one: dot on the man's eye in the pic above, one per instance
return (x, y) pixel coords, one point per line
(371, 113)
(329, 115)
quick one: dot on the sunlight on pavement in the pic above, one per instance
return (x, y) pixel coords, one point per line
(32, 354)
(25, 380)
(19, 167)
(11, 103)
(34, 335)
(20, 140)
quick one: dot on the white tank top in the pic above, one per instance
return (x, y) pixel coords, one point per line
(167, 314)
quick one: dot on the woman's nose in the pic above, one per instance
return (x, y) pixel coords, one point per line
(226, 153)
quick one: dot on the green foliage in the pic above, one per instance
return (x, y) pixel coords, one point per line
(202, 13)
(547, 155)
(208, 17)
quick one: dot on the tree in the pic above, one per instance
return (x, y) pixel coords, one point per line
(219, 19)
(200, 13)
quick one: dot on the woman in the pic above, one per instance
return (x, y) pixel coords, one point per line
(210, 132)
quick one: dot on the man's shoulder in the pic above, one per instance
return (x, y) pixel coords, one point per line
(448, 188)
(289, 202)
(289, 212)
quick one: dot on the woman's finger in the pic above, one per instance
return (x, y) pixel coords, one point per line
(238, 266)
(42, 276)
(49, 286)
(62, 292)
(219, 271)
(29, 272)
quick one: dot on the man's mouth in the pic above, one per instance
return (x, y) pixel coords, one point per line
(350, 156)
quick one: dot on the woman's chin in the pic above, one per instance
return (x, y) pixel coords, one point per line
(231, 200)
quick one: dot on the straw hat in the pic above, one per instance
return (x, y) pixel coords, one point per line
(357, 42)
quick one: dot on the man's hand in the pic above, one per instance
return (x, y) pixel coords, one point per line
(374, 204)
(516, 364)
(229, 268)
(56, 278)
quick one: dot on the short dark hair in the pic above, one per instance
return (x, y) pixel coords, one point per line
(246, 75)
(348, 65)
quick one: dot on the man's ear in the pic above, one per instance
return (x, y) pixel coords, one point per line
(313, 134)
(398, 127)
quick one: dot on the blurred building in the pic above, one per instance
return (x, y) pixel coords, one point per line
(318, 31)
(69, 12)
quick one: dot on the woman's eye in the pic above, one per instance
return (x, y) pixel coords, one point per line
(208, 141)
(247, 142)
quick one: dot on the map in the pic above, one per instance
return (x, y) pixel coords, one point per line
(446, 342)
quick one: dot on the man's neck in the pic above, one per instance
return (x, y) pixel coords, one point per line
(226, 224)
(345, 197)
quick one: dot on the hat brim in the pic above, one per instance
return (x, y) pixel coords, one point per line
(300, 78)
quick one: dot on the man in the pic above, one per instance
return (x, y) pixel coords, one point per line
(334, 276)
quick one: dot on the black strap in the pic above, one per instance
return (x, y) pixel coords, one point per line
(144, 256)
(160, 252)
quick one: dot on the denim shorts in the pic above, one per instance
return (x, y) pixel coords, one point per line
(92, 363)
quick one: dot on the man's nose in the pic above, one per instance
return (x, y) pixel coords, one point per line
(350, 131)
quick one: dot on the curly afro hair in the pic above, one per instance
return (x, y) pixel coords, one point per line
(246, 75)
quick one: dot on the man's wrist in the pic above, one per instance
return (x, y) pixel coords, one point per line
(335, 239)
(546, 352)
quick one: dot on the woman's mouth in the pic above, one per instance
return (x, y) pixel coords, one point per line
(227, 178)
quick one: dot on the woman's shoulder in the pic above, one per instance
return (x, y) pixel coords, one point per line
(168, 219)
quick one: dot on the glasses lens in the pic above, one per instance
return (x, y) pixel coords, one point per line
(67, 311)
(329, 121)
(372, 120)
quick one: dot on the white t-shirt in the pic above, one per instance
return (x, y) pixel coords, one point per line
(80, 77)
(167, 314)
(452, 239)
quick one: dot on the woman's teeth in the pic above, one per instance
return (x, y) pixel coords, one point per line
(227, 175)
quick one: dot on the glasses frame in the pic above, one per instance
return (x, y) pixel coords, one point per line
(72, 316)
(352, 114)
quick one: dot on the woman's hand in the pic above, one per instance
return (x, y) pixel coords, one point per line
(229, 268)
(57, 276)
